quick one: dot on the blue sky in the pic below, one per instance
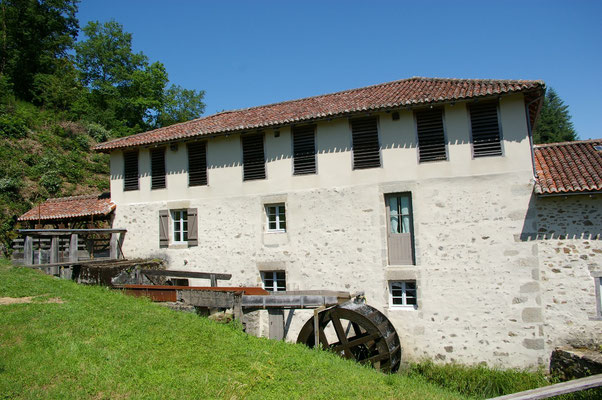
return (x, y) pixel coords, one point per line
(249, 53)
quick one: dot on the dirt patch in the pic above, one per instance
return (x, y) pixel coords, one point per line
(4, 301)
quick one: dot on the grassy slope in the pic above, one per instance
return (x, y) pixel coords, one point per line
(101, 344)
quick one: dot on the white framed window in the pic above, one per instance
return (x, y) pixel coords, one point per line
(274, 281)
(403, 294)
(275, 217)
(180, 226)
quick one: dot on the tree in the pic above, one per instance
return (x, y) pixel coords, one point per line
(180, 105)
(33, 36)
(127, 94)
(554, 124)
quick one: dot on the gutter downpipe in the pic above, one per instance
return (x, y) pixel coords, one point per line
(530, 133)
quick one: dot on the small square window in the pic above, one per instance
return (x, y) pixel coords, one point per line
(274, 281)
(403, 294)
(276, 217)
(180, 226)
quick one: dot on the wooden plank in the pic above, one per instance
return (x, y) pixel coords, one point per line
(209, 299)
(28, 250)
(187, 274)
(276, 324)
(69, 263)
(556, 389)
(73, 251)
(53, 232)
(114, 252)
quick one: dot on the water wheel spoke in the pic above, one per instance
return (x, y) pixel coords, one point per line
(338, 327)
(357, 340)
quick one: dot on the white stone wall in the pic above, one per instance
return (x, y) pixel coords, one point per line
(569, 237)
(481, 294)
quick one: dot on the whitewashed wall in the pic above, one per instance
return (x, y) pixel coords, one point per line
(479, 289)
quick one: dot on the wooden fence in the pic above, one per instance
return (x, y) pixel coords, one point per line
(54, 247)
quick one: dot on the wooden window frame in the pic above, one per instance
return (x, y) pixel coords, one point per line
(158, 172)
(404, 295)
(387, 196)
(443, 122)
(302, 172)
(200, 177)
(353, 161)
(127, 188)
(280, 224)
(246, 162)
(597, 275)
(181, 217)
(273, 276)
(499, 123)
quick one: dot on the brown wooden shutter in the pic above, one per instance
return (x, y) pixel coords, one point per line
(431, 137)
(253, 157)
(366, 150)
(486, 139)
(193, 236)
(158, 168)
(304, 150)
(197, 164)
(130, 170)
(163, 228)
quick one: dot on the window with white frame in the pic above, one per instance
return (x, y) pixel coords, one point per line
(402, 294)
(180, 226)
(274, 281)
(276, 217)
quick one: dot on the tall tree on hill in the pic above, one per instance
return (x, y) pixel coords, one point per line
(33, 36)
(127, 93)
(554, 124)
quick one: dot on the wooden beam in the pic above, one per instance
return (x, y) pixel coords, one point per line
(187, 274)
(556, 389)
(73, 251)
(66, 232)
(28, 250)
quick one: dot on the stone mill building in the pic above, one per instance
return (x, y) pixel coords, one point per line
(426, 194)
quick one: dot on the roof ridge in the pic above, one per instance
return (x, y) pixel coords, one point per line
(541, 145)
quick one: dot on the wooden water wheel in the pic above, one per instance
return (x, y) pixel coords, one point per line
(357, 331)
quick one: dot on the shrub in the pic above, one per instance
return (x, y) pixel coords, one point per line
(98, 132)
(12, 126)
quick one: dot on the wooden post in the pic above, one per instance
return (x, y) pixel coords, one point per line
(73, 251)
(54, 255)
(114, 246)
(213, 280)
(54, 249)
(28, 250)
(120, 245)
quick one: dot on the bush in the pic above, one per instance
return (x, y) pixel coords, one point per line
(12, 126)
(98, 132)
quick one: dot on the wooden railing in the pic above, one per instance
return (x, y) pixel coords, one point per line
(55, 247)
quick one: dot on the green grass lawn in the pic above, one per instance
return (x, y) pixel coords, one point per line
(97, 343)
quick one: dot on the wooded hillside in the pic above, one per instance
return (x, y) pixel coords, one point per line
(62, 90)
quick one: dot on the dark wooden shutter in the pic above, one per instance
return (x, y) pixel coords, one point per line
(485, 130)
(431, 139)
(158, 168)
(304, 150)
(163, 228)
(197, 164)
(130, 170)
(366, 150)
(253, 157)
(193, 236)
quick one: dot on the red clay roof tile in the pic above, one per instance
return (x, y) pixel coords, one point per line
(70, 207)
(569, 167)
(407, 92)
